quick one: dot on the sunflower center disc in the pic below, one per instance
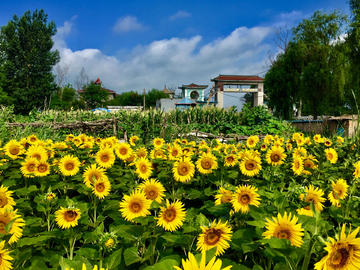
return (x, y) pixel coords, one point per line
(169, 215)
(226, 198)
(123, 152)
(174, 153)
(250, 166)
(143, 168)
(283, 234)
(69, 166)
(70, 215)
(135, 207)
(151, 195)
(276, 157)
(100, 187)
(42, 168)
(14, 151)
(37, 156)
(2, 225)
(31, 167)
(341, 257)
(104, 158)
(212, 237)
(245, 198)
(206, 164)
(230, 159)
(183, 169)
(3, 200)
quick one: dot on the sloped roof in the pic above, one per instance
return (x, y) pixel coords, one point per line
(244, 78)
(193, 85)
(185, 101)
(167, 91)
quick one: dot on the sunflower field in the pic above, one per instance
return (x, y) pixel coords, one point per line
(281, 203)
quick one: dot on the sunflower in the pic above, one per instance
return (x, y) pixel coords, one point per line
(284, 227)
(133, 140)
(206, 163)
(216, 235)
(153, 190)
(339, 191)
(331, 155)
(158, 142)
(28, 167)
(309, 162)
(92, 173)
(141, 152)
(224, 196)
(77, 141)
(105, 157)
(6, 199)
(143, 168)
(67, 217)
(123, 151)
(317, 138)
(135, 205)
(275, 156)
(174, 151)
(158, 153)
(343, 253)
(9, 216)
(297, 165)
(263, 147)
(5, 258)
(230, 160)
(60, 145)
(357, 170)
(268, 139)
(339, 139)
(300, 141)
(107, 142)
(299, 152)
(191, 263)
(13, 149)
(327, 142)
(101, 188)
(69, 137)
(32, 139)
(288, 146)
(314, 195)
(183, 169)
(305, 211)
(172, 216)
(244, 196)
(38, 152)
(252, 141)
(69, 165)
(42, 169)
(250, 165)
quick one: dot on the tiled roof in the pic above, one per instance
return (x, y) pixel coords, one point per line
(245, 78)
(193, 85)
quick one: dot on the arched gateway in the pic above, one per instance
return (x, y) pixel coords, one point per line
(240, 84)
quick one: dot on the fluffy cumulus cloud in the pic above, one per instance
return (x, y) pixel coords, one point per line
(126, 24)
(180, 14)
(173, 61)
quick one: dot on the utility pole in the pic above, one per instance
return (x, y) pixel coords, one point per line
(144, 101)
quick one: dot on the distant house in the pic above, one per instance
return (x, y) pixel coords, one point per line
(112, 93)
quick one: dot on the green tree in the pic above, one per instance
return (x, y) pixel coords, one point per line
(152, 96)
(311, 70)
(323, 75)
(353, 42)
(65, 98)
(27, 59)
(94, 95)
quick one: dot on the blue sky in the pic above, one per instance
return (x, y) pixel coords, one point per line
(132, 45)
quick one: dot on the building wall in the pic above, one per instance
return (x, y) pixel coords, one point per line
(167, 104)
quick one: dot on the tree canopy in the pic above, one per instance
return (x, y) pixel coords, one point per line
(27, 60)
(311, 70)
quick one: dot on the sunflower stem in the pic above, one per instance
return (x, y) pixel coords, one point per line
(308, 254)
(95, 208)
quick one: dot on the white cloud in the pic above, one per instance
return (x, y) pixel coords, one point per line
(180, 14)
(173, 61)
(126, 24)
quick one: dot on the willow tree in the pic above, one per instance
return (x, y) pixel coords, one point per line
(323, 74)
(27, 59)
